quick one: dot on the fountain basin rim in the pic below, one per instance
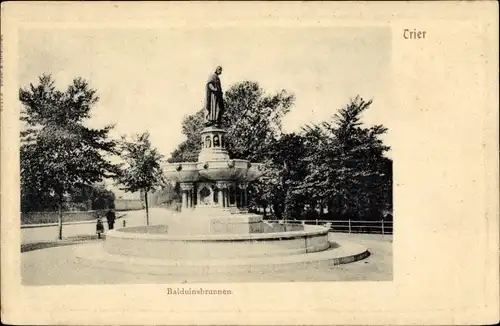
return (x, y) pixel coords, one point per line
(353, 253)
(194, 164)
(313, 231)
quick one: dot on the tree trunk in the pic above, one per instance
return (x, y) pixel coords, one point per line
(147, 209)
(59, 218)
(278, 212)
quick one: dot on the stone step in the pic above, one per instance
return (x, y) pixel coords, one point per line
(340, 253)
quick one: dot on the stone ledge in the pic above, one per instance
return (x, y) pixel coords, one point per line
(313, 231)
(341, 253)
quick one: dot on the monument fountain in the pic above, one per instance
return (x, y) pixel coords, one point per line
(214, 228)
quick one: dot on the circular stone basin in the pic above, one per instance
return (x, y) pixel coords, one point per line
(154, 242)
(255, 171)
(181, 172)
(224, 170)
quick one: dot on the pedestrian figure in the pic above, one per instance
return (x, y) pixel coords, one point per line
(99, 227)
(110, 217)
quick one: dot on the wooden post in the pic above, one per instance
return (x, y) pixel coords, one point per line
(349, 226)
(316, 221)
(382, 227)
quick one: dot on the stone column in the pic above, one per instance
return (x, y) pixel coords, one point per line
(190, 198)
(222, 186)
(241, 191)
(244, 194)
(221, 197)
(228, 193)
(184, 198)
(187, 199)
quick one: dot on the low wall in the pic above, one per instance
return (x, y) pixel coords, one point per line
(128, 204)
(136, 242)
(281, 227)
(52, 217)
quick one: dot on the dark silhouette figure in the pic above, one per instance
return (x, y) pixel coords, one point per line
(110, 217)
(99, 227)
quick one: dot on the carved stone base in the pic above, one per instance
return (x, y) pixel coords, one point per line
(213, 145)
(214, 220)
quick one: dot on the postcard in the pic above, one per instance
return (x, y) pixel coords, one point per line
(250, 163)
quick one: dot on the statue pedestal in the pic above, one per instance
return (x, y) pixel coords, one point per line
(236, 224)
(214, 220)
(213, 145)
(215, 179)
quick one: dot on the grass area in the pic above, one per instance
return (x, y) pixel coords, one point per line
(58, 243)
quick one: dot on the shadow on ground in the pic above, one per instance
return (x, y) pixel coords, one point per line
(59, 243)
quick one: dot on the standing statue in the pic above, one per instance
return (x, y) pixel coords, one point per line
(214, 103)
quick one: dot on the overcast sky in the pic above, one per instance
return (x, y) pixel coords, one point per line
(148, 79)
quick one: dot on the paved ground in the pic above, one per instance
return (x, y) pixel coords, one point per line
(58, 265)
(50, 233)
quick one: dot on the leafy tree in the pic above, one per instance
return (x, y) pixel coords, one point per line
(385, 189)
(254, 119)
(93, 197)
(347, 170)
(142, 171)
(285, 170)
(36, 200)
(58, 152)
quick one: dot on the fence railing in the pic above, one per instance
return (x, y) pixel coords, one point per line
(347, 226)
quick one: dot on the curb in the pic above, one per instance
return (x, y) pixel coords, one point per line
(139, 265)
